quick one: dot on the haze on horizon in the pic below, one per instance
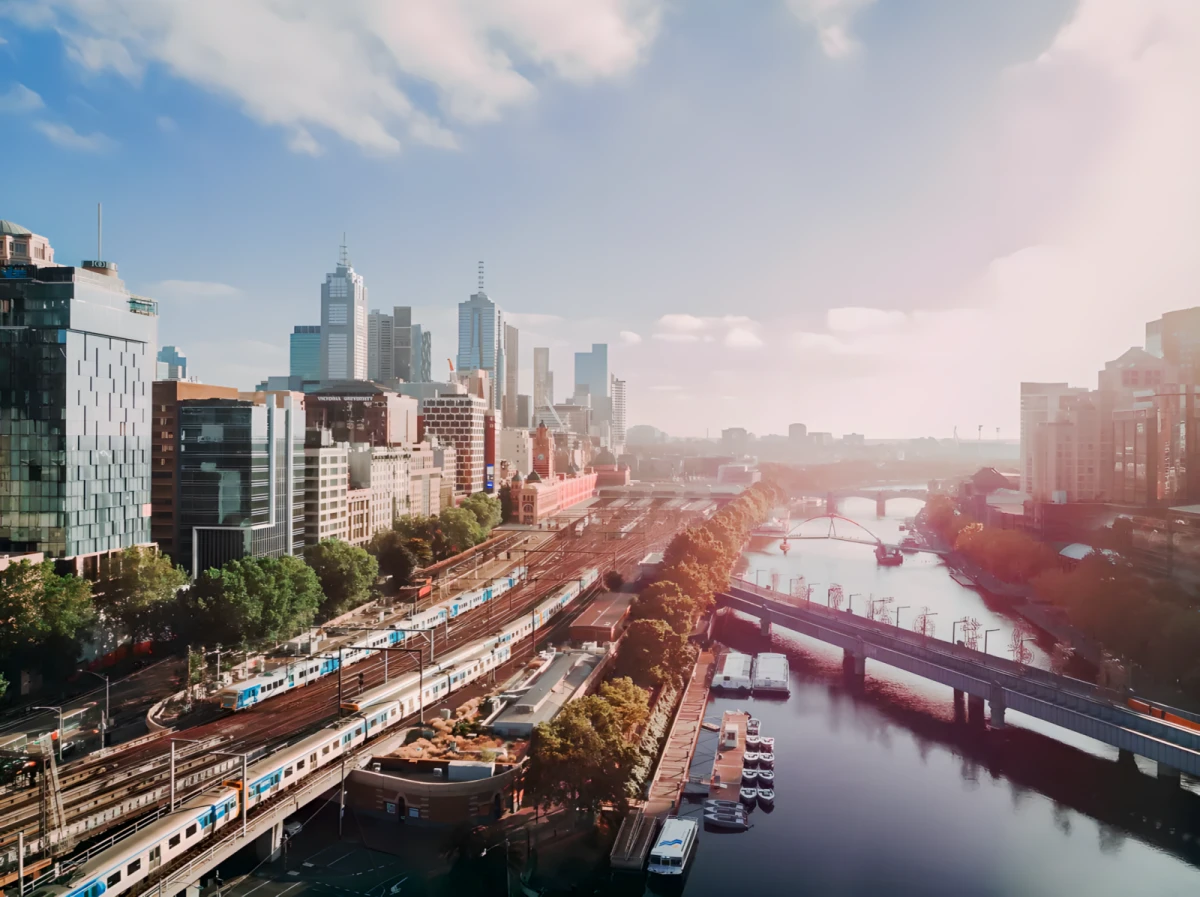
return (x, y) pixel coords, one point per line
(865, 215)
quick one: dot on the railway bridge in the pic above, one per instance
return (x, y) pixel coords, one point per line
(1073, 704)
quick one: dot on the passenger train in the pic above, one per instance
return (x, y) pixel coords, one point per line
(129, 862)
(305, 671)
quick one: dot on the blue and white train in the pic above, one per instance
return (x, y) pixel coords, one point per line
(129, 862)
(305, 671)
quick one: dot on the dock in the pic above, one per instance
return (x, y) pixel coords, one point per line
(726, 781)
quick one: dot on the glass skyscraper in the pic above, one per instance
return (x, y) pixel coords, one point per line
(481, 342)
(304, 356)
(77, 359)
(421, 365)
(343, 323)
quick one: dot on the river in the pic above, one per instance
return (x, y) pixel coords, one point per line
(884, 792)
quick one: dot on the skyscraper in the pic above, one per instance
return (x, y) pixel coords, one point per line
(172, 364)
(304, 352)
(421, 366)
(77, 360)
(343, 323)
(380, 353)
(591, 372)
(402, 342)
(481, 341)
(618, 412)
(543, 379)
(512, 355)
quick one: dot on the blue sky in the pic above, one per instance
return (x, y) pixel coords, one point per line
(868, 216)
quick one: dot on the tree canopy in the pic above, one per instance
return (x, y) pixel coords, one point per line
(42, 617)
(653, 653)
(141, 586)
(396, 558)
(346, 572)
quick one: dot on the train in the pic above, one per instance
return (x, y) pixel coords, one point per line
(129, 862)
(304, 671)
(1161, 713)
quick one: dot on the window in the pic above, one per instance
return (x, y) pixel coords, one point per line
(287, 773)
(191, 830)
(113, 879)
(133, 867)
(174, 842)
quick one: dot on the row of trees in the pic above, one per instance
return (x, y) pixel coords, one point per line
(415, 541)
(1009, 555)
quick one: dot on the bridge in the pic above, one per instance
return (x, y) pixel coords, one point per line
(851, 531)
(881, 495)
(1073, 704)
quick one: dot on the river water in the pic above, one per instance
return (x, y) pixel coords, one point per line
(883, 791)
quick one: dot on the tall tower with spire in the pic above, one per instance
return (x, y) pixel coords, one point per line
(481, 341)
(344, 322)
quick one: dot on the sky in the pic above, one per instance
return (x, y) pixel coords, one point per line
(873, 216)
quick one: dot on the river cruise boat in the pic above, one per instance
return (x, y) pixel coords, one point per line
(771, 674)
(674, 848)
(885, 556)
(735, 673)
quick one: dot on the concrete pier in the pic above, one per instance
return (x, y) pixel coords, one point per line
(1168, 773)
(996, 701)
(764, 624)
(975, 716)
(854, 667)
(266, 845)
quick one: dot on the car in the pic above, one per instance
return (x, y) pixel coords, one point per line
(292, 827)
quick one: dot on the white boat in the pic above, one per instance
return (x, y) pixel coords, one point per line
(674, 848)
(749, 794)
(749, 776)
(715, 803)
(766, 796)
(771, 673)
(752, 726)
(750, 758)
(766, 744)
(736, 672)
(764, 777)
(766, 761)
(752, 742)
(734, 822)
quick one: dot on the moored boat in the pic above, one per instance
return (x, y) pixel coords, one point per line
(749, 776)
(749, 794)
(764, 777)
(766, 744)
(750, 758)
(766, 761)
(752, 742)
(766, 796)
(735, 822)
(752, 726)
(715, 803)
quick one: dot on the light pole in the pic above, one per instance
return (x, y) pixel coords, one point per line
(507, 877)
(104, 720)
(850, 603)
(985, 635)
(898, 609)
(953, 627)
(926, 620)
(59, 711)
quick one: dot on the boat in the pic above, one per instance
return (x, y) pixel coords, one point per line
(886, 556)
(752, 726)
(766, 744)
(766, 761)
(749, 794)
(750, 758)
(771, 674)
(752, 742)
(765, 777)
(729, 821)
(766, 796)
(674, 848)
(716, 803)
(749, 776)
(735, 672)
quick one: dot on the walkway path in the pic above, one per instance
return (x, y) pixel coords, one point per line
(672, 771)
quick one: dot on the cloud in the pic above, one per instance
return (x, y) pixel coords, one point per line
(531, 320)
(677, 337)
(166, 124)
(666, 387)
(832, 20)
(20, 98)
(350, 68)
(735, 331)
(304, 143)
(629, 338)
(853, 319)
(67, 137)
(192, 290)
(742, 338)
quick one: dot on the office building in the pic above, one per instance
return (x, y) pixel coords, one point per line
(516, 447)
(797, 434)
(1122, 378)
(241, 475)
(171, 364)
(1066, 453)
(304, 352)
(343, 323)
(1041, 403)
(402, 343)
(424, 481)
(363, 412)
(735, 441)
(512, 384)
(618, 414)
(543, 379)
(591, 376)
(421, 365)
(380, 347)
(1175, 337)
(1135, 456)
(77, 360)
(481, 342)
(164, 455)
(326, 484)
(1178, 444)
(458, 421)
(381, 471)
(525, 412)
(20, 246)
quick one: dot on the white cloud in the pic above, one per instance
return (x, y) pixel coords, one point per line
(532, 321)
(304, 143)
(677, 337)
(67, 137)
(629, 338)
(348, 67)
(832, 20)
(192, 290)
(853, 319)
(20, 98)
(166, 124)
(742, 338)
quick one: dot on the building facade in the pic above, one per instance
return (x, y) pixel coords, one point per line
(481, 343)
(171, 364)
(304, 352)
(363, 412)
(537, 499)
(380, 347)
(618, 414)
(591, 376)
(77, 360)
(326, 484)
(1176, 336)
(241, 479)
(512, 369)
(21, 246)
(424, 482)
(516, 447)
(458, 421)
(343, 323)
(383, 473)
(1066, 454)
(421, 366)
(1041, 403)
(543, 379)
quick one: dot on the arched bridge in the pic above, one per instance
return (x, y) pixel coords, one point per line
(881, 495)
(850, 531)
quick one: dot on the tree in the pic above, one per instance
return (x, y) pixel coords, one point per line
(653, 653)
(251, 600)
(486, 509)
(141, 584)
(396, 558)
(508, 508)
(664, 601)
(614, 581)
(346, 573)
(630, 703)
(458, 530)
(42, 615)
(581, 758)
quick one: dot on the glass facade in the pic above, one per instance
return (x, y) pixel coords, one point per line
(240, 480)
(304, 359)
(77, 358)
(481, 342)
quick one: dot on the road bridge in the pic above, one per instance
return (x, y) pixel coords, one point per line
(1079, 706)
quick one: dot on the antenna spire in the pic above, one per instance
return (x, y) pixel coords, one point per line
(481, 277)
(344, 253)
(99, 231)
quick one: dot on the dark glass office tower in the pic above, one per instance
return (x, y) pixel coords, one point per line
(77, 357)
(240, 480)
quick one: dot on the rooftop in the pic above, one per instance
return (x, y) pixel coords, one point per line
(12, 229)
(558, 681)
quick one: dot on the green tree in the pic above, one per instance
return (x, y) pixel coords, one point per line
(653, 653)
(42, 616)
(458, 530)
(581, 758)
(396, 557)
(347, 574)
(614, 581)
(486, 509)
(141, 584)
(508, 508)
(251, 600)
(630, 703)
(663, 600)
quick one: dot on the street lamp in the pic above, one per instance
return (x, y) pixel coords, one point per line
(104, 719)
(850, 604)
(926, 619)
(898, 609)
(985, 635)
(59, 711)
(953, 627)
(507, 877)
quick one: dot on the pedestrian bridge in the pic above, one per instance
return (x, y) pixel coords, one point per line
(1099, 713)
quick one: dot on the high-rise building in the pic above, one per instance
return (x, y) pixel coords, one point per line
(382, 470)
(1176, 337)
(1135, 456)
(343, 323)
(77, 360)
(524, 412)
(797, 434)
(458, 421)
(304, 352)
(591, 371)
(326, 483)
(481, 341)
(380, 347)
(172, 364)
(402, 343)
(618, 413)
(241, 479)
(512, 355)
(516, 447)
(1041, 403)
(543, 379)
(1066, 453)
(421, 366)
(735, 441)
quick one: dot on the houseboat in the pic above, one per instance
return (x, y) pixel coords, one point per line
(674, 848)
(771, 674)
